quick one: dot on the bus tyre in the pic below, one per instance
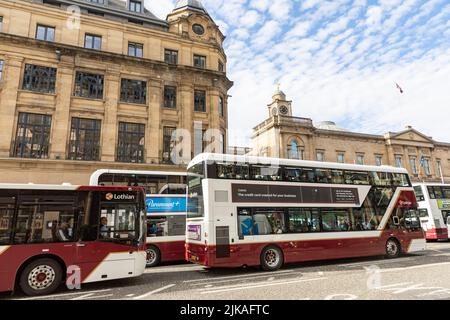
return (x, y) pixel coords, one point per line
(153, 256)
(392, 248)
(271, 258)
(41, 277)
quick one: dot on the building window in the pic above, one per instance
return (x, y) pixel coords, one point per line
(33, 136)
(427, 167)
(88, 85)
(294, 151)
(221, 108)
(222, 143)
(170, 97)
(170, 56)
(320, 156)
(341, 157)
(379, 160)
(2, 63)
(135, 6)
(221, 67)
(439, 168)
(168, 143)
(199, 61)
(200, 101)
(1, 24)
(92, 42)
(360, 159)
(84, 140)
(39, 79)
(135, 49)
(131, 142)
(45, 33)
(398, 161)
(133, 91)
(412, 162)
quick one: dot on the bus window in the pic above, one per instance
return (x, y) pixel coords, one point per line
(166, 226)
(431, 193)
(232, 171)
(400, 180)
(381, 197)
(335, 220)
(323, 176)
(303, 220)
(44, 223)
(381, 178)
(292, 174)
(117, 221)
(307, 175)
(419, 193)
(446, 192)
(268, 221)
(7, 205)
(337, 177)
(265, 173)
(195, 191)
(353, 177)
(438, 193)
(245, 223)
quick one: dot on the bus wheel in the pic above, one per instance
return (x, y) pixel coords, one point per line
(392, 248)
(41, 277)
(271, 258)
(153, 256)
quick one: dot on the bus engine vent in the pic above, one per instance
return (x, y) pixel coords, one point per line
(223, 242)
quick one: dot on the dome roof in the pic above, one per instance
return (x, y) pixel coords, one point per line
(193, 4)
(329, 125)
(279, 95)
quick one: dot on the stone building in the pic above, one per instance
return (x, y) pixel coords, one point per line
(285, 136)
(90, 84)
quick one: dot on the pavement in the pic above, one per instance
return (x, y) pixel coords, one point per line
(421, 276)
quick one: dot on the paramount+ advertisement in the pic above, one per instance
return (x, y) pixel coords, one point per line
(250, 193)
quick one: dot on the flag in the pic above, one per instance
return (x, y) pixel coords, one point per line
(399, 88)
(422, 160)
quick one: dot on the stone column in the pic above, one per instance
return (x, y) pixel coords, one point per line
(153, 136)
(187, 110)
(8, 101)
(109, 126)
(61, 118)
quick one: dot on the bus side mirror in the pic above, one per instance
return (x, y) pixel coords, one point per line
(448, 220)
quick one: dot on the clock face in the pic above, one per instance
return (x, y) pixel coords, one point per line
(284, 110)
(198, 29)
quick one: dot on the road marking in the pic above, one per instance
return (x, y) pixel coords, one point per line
(130, 295)
(261, 285)
(414, 267)
(65, 294)
(83, 296)
(236, 279)
(153, 292)
(375, 262)
(250, 275)
(98, 297)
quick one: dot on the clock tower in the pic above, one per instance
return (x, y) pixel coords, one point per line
(280, 106)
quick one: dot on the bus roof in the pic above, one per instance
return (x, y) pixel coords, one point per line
(96, 175)
(65, 187)
(289, 162)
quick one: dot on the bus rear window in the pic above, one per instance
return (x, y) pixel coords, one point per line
(419, 193)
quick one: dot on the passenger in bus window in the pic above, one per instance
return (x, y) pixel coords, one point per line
(104, 227)
(64, 232)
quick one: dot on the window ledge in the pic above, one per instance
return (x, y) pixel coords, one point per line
(36, 92)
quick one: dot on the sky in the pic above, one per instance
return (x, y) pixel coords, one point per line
(337, 60)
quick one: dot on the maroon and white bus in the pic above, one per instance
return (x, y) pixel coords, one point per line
(251, 211)
(165, 207)
(52, 232)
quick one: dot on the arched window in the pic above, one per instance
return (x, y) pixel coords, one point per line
(294, 150)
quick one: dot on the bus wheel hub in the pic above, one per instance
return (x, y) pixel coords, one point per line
(41, 277)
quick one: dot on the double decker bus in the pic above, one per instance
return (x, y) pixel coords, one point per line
(252, 211)
(166, 209)
(50, 232)
(434, 208)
